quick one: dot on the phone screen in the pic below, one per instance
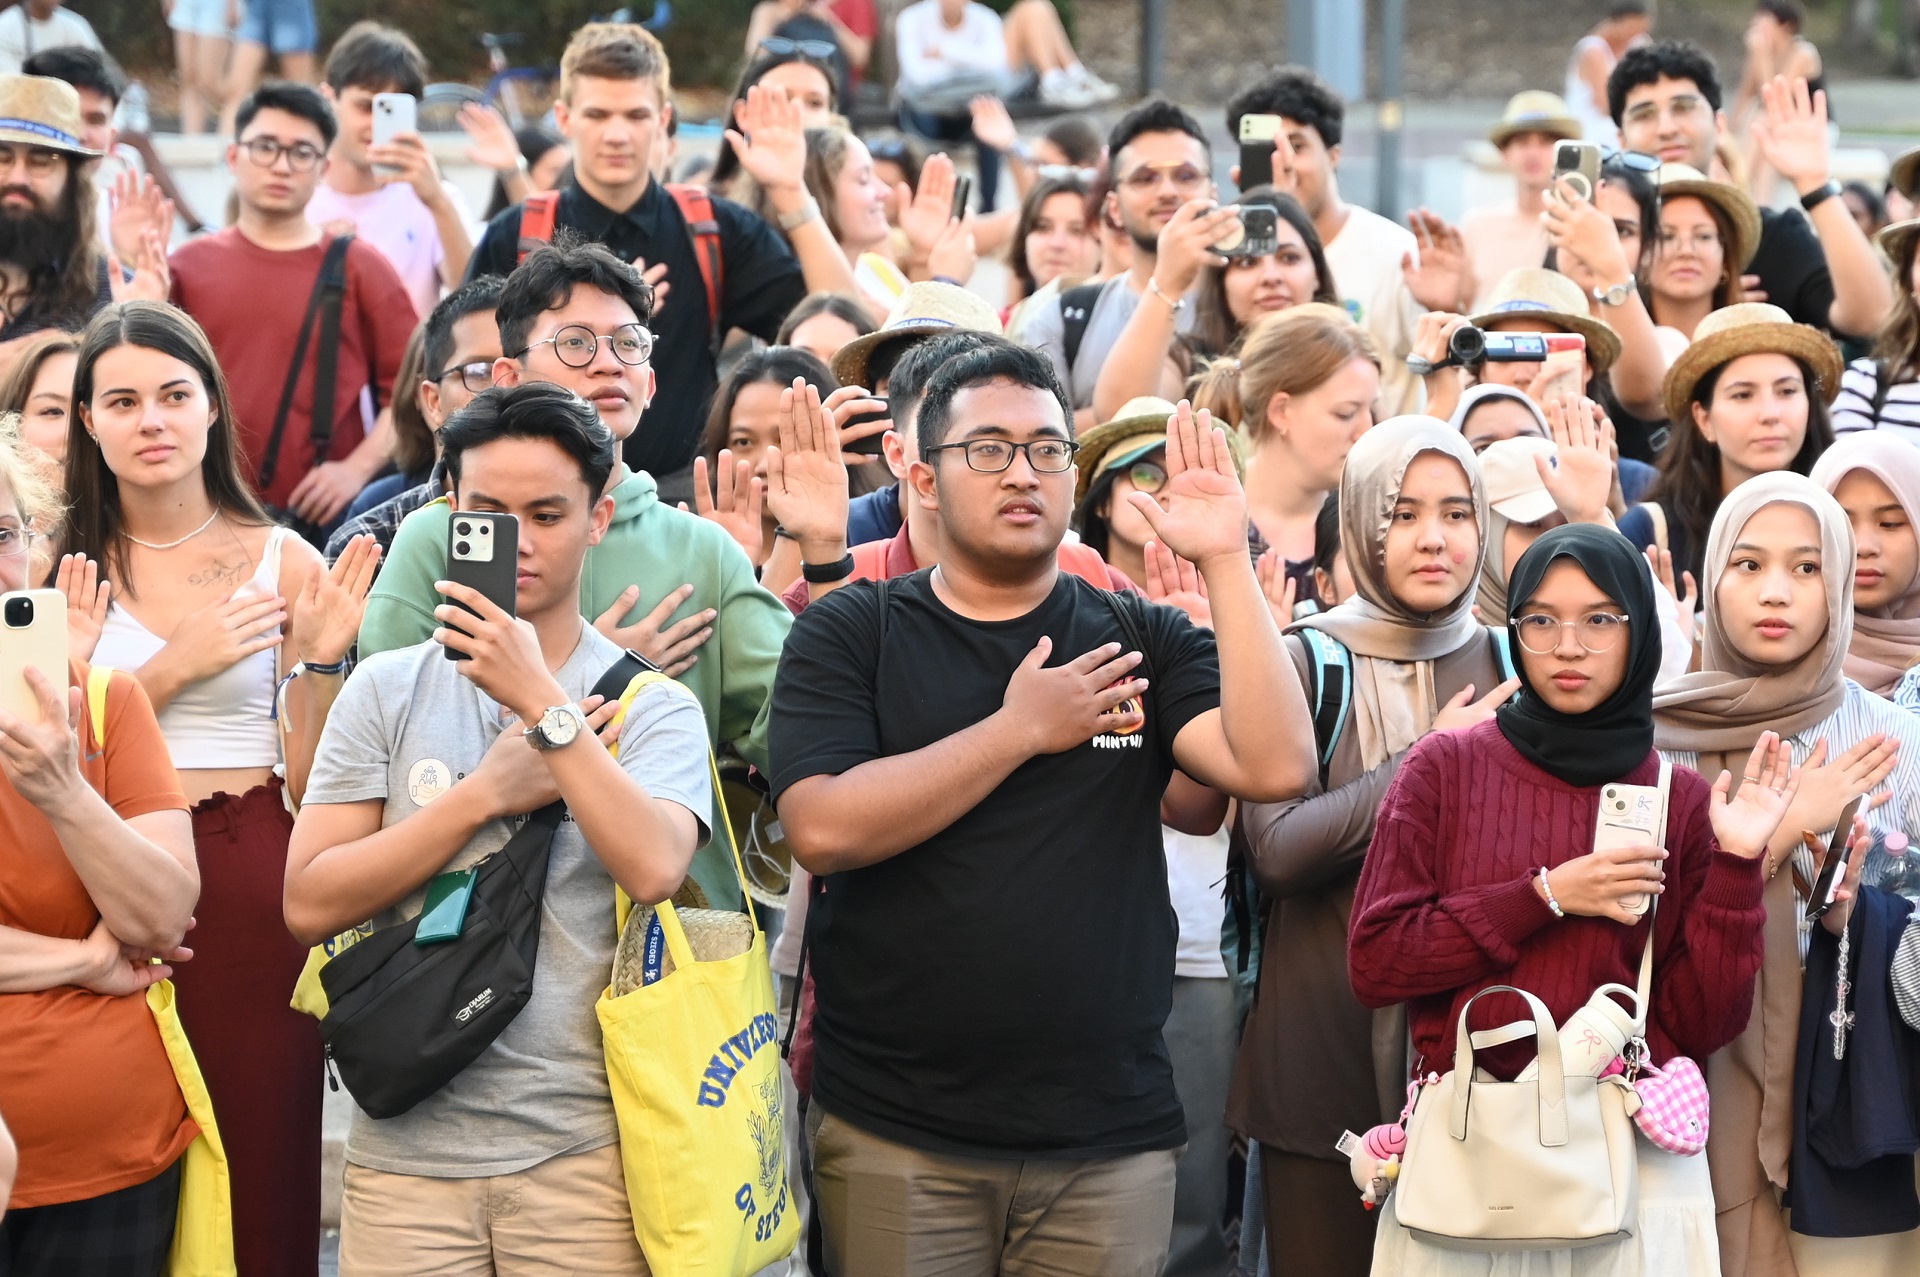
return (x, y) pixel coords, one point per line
(1833, 870)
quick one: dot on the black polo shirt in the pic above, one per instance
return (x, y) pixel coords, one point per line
(1793, 267)
(762, 283)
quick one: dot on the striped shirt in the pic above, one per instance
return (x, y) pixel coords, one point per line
(1853, 410)
(1907, 694)
(1861, 715)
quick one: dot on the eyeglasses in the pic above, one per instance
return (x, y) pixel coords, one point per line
(266, 152)
(1597, 631)
(780, 47)
(39, 160)
(1682, 106)
(1185, 177)
(15, 542)
(476, 376)
(1701, 241)
(577, 345)
(1147, 476)
(991, 456)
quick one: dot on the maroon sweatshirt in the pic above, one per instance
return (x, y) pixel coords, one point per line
(1446, 906)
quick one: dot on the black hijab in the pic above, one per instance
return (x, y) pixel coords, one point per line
(1614, 737)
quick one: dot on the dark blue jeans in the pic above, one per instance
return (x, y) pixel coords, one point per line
(957, 128)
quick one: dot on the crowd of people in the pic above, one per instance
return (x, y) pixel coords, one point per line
(1169, 719)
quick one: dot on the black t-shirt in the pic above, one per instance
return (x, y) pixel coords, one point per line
(1000, 989)
(1793, 267)
(762, 283)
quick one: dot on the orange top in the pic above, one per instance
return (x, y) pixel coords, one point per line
(85, 1083)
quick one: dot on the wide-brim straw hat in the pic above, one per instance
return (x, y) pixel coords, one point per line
(1536, 111)
(924, 309)
(1742, 214)
(1905, 173)
(36, 110)
(1138, 428)
(1551, 298)
(1749, 328)
(1896, 241)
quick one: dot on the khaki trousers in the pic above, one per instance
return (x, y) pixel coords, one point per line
(892, 1211)
(568, 1215)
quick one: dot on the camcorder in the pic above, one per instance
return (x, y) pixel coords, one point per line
(1471, 347)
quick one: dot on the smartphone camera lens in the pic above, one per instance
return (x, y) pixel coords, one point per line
(463, 528)
(461, 549)
(19, 613)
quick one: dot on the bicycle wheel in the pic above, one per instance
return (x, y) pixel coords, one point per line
(440, 105)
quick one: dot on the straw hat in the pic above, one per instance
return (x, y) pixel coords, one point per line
(1139, 428)
(1905, 174)
(1749, 328)
(1551, 298)
(38, 111)
(1742, 214)
(924, 309)
(1535, 111)
(1896, 241)
(1515, 490)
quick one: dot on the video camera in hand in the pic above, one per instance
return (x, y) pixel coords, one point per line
(1471, 347)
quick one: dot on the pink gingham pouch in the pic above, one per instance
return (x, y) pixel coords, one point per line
(1673, 1106)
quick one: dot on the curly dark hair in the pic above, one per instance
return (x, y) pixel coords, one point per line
(1299, 95)
(1662, 60)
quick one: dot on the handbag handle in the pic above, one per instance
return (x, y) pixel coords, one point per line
(1552, 1081)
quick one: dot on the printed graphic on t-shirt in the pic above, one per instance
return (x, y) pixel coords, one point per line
(1127, 737)
(427, 780)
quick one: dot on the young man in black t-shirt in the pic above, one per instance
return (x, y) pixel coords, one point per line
(977, 775)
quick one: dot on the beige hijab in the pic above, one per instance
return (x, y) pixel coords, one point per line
(1394, 647)
(1491, 593)
(1885, 640)
(1725, 707)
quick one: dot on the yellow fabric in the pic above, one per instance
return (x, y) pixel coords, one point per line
(203, 1230)
(694, 1064)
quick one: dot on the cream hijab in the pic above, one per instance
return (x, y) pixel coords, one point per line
(1394, 647)
(1885, 640)
(1725, 707)
(1491, 593)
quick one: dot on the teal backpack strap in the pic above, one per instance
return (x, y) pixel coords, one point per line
(1331, 667)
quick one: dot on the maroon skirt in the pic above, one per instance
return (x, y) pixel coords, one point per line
(260, 1057)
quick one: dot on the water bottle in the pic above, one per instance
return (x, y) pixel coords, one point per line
(133, 116)
(1594, 1036)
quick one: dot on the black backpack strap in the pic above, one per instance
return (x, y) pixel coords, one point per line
(324, 304)
(1076, 311)
(612, 684)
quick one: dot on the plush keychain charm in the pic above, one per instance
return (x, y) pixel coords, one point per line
(1374, 1158)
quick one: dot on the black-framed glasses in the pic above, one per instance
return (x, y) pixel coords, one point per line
(1597, 631)
(476, 376)
(991, 456)
(780, 47)
(39, 160)
(576, 345)
(266, 152)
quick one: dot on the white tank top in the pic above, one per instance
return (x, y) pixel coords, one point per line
(222, 722)
(1593, 115)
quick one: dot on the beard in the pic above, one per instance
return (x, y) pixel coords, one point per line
(37, 239)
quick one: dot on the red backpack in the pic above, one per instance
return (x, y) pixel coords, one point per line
(540, 212)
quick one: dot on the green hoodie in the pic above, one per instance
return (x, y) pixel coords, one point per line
(658, 549)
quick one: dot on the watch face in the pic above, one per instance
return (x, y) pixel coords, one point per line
(559, 726)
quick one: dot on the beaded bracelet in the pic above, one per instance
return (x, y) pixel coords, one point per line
(1547, 887)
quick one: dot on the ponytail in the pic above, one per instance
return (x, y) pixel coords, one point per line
(1289, 352)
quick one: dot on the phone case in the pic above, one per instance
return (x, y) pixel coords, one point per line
(1256, 149)
(33, 635)
(445, 913)
(1630, 816)
(393, 114)
(1580, 161)
(1833, 867)
(482, 551)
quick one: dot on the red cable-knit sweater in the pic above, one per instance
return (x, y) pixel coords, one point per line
(1446, 905)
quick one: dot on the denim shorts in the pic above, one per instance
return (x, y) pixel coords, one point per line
(201, 17)
(282, 26)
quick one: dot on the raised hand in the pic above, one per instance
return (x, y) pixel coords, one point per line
(1744, 823)
(152, 278)
(490, 140)
(1068, 705)
(926, 210)
(326, 621)
(674, 648)
(136, 205)
(954, 254)
(1580, 479)
(1174, 581)
(736, 504)
(1206, 508)
(88, 596)
(1279, 589)
(1443, 278)
(991, 123)
(1792, 132)
(1661, 561)
(771, 141)
(807, 472)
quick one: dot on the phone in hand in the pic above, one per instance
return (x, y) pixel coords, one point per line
(483, 552)
(962, 192)
(1579, 162)
(1257, 133)
(871, 445)
(1833, 871)
(393, 114)
(1254, 233)
(33, 636)
(1630, 816)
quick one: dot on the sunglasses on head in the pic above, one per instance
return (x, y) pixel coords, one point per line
(780, 47)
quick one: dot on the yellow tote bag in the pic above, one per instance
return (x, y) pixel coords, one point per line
(694, 1063)
(203, 1230)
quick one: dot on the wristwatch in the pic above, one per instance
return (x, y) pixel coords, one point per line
(1819, 195)
(1617, 295)
(557, 728)
(807, 212)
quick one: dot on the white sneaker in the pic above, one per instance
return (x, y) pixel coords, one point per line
(1068, 95)
(1100, 90)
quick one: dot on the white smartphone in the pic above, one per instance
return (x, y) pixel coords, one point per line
(393, 114)
(33, 635)
(1630, 816)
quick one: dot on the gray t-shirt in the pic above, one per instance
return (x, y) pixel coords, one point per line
(406, 727)
(1108, 318)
